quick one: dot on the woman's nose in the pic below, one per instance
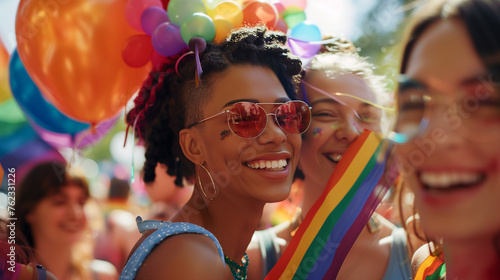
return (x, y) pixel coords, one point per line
(348, 130)
(272, 133)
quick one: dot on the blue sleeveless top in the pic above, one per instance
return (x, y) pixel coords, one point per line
(163, 230)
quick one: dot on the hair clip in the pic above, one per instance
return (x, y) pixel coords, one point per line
(197, 45)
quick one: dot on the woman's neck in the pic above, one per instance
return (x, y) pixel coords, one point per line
(232, 222)
(55, 258)
(474, 259)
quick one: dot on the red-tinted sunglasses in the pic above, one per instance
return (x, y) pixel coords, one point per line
(248, 120)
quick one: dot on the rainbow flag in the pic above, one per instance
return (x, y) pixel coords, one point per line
(327, 233)
(433, 268)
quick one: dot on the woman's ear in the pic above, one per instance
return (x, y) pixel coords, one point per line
(189, 139)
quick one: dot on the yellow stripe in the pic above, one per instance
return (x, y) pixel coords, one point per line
(421, 269)
(333, 198)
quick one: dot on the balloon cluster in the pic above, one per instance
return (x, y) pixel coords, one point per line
(168, 27)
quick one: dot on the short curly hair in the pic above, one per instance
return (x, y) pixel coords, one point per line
(171, 98)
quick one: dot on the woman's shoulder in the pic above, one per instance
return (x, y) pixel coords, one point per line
(176, 250)
(183, 256)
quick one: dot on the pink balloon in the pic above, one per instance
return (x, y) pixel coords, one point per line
(294, 3)
(134, 10)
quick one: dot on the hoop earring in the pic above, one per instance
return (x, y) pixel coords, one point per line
(201, 185)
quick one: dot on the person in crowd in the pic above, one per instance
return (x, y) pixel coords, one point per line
(380, 251)
(166, 197)
(448, 124)
(119, 232)
(226, 117)
(50, 202)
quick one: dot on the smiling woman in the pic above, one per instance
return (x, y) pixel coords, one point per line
(50, 210)
(229, 123)
(449, 100)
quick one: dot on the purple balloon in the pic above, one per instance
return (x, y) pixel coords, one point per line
(167, 39)
(151, 18)
(303, 49)
(81, 140)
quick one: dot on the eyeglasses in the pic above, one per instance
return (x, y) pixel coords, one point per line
(248, 120)
(475, 114)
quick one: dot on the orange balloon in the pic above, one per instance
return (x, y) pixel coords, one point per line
(256, 12)
(5, 93)
(73, 52)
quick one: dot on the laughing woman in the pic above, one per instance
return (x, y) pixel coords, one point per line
(449, 113)
(236, 134)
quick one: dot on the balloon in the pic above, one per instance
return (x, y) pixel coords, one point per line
(281, 26)
(75, 58)
(135, 8)
(198, 25)
(80, 140)
(279, 6)
(294, 3)
(222, 30)
(167, 39)
(306, 31)
(30, 99)
(151, 18)
(229, 11)
(179, 10)
(4, 83)
(256, 12)
(303, 49)
(293, 16)
(137, 50)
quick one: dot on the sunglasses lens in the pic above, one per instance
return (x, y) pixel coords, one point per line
(247, 120)
(294, 117)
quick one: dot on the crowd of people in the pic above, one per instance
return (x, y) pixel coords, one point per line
(225, 143)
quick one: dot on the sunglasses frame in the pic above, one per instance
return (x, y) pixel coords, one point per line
(267, 119)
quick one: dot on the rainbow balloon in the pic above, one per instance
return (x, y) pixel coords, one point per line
(329, 230)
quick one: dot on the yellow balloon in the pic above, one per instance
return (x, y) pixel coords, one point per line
(4, 79)
(229, 11)
(222, 30)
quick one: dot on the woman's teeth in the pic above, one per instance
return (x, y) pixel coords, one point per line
(335, 157)
(268, 164)
(445, 180)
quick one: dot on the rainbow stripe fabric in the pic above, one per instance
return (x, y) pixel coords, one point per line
(433, 268)
(329, 230)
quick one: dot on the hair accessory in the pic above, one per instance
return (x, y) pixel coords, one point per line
(201, 185)
(198, 45)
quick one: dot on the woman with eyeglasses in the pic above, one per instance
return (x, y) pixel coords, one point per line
(234, 129)
(346, 98)
(448, 124)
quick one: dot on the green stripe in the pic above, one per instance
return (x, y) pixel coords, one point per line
(438, 273)
(323, 234)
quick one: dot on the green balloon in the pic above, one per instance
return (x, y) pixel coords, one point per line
(198, 25)
(293, 16)
(179, 10)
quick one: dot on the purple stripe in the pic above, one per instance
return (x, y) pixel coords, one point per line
(345, 222)
(367, 211)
